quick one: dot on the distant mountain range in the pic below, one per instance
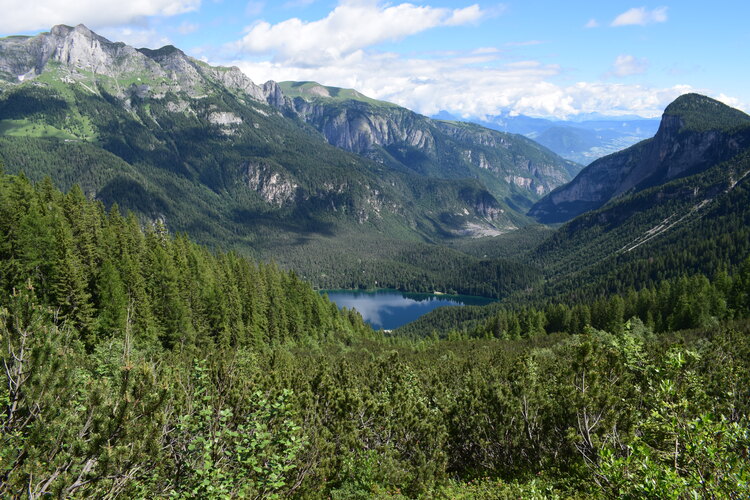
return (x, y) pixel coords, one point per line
(582, 140)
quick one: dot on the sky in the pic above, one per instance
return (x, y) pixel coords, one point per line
(474, 59)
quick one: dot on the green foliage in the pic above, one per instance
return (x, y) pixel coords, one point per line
(138, 364)
(700, 113)
(221, 455)
(704, 458)
(356, 261)
(106, 277)
(69, 427)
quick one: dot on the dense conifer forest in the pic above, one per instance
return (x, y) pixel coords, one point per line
(137, 364)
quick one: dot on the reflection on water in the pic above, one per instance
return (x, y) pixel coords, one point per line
(389, 309)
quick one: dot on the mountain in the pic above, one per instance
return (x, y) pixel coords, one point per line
(513, 168)
(686, 214)
(695, 133)
(581, 139)
(676, 204)
(239, 166)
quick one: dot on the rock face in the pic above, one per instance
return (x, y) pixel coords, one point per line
(678, 149)
(357, 128)
(82, 52)
(23, 58)
(387, 133)
(271, 186)
(215, 126)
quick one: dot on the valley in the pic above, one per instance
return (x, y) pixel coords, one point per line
(171, 233)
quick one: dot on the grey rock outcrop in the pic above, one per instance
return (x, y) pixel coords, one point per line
(448, 149)
(82, 53)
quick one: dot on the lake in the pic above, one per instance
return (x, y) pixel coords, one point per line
(389, 309)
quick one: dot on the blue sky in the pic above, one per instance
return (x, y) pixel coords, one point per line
(472, 58)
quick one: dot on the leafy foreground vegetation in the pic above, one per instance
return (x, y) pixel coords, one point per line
(140, 365)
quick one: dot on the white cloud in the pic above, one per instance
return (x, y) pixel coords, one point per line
(641, 16)
(472, 85)
(592, 23)
(627, 65)
(338, 50)
(22, 16)
(486, 50)
(732, 102)
(352, 26)
(468, 15)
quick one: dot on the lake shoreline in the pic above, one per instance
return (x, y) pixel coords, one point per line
(391, 309)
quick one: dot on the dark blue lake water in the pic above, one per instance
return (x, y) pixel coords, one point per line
(388, 309)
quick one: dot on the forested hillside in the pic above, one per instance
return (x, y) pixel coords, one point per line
(694, 220)
(207, 152)
(137, 364)
(695, 133)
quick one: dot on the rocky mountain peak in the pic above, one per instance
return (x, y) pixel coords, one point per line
(82, 48)
(81, 52)
(62, 31)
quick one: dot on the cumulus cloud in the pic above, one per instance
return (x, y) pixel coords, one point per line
(592, 23)
(22, 16)
(627, 65)
(339, 50)
(352, 26)
(641, 16)
(468, 15)
(473, 85)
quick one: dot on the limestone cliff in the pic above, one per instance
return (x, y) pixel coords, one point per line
(509, 164)
(82, 55)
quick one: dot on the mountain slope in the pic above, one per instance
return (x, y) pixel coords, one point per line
(699, 223)
(696, 133)
(514, 169)
(681, 206)
(210, 126)
(214, 125)
(696, 223)
(208, 152)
